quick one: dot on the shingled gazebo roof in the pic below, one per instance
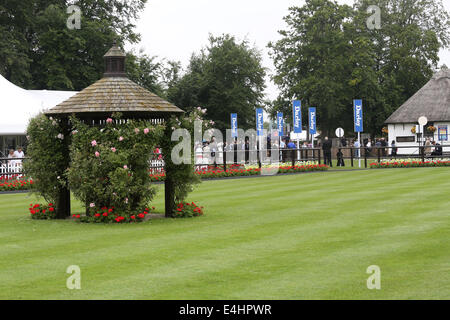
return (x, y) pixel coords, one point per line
(115, 93)
(431, 101)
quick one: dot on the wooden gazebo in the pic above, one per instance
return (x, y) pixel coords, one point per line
(113, 93)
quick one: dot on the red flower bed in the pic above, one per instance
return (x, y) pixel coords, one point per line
(42, 212)
(188, 210)
(410, 164)
(109, 215)
(14, 183)
(240, 171)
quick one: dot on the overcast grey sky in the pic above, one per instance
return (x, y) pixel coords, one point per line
(174, 29)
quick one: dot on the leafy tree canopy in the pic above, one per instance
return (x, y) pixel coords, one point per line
(328, 56)
(39, 51)
(225, 77)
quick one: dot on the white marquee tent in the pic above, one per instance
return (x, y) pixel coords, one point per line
(18, 105)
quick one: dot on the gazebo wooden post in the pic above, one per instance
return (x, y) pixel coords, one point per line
(63, 205)
(169, 187)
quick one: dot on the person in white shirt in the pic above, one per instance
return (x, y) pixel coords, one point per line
(12, 155)
(199, 154)
(357, 145)
(19, 154)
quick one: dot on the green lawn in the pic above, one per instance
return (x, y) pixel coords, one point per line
(308, 236)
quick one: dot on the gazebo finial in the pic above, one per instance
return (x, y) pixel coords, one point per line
(115, 62)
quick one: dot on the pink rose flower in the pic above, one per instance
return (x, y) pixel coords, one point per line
(92, 205)
(136, 130)
(121, 139)
(125, 167)
(146, 130)
(113, 149)
(97, 154)
(94, 143)
(109, 120)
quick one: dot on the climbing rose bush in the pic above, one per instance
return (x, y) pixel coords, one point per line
(109, 166)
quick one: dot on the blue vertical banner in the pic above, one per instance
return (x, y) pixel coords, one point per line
(280, 124)
(260, 122)
(297, 116)
(312, 121)
(234, 125)
(358, 115)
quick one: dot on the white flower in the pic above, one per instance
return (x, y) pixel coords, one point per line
(60, 136)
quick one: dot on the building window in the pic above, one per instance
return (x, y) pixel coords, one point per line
(406, 139)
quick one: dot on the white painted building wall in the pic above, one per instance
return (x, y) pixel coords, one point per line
(403, 130)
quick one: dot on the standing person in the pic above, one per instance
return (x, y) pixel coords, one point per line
(369, 146)
(394, 149)
(12, 156)
(357, 147)
(213, 148)
(428, 148)
(19, 154)
(326, 147)
(282, 149)
(206, 154)
(383, 145)
(198, 155)
(247, 149)
(340, 159)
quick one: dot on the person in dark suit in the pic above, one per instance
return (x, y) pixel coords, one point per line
(340, 159)
(326, 147)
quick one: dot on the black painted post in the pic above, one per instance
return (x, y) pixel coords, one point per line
(365, 157)
(351, 155)
(63, 201)
(169, 195)
(224, 159)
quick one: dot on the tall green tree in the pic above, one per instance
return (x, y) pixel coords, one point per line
(328, 56)
(225, 77)
(313, 62)
(39, 51)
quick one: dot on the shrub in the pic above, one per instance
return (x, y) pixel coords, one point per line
(47, 149)
(109, 165)
(42, 212)
(188, 210)
(110, 215)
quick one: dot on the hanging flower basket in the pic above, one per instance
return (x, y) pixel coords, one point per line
(431, 129)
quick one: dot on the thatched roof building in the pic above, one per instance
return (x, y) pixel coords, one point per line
(115, 93)
(432, 101)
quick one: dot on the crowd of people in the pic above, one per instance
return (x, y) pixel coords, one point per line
(212, 152)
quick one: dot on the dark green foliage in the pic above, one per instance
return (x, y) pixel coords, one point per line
(328, 56)
(38, 51)
(48, 155)
(113, 170)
